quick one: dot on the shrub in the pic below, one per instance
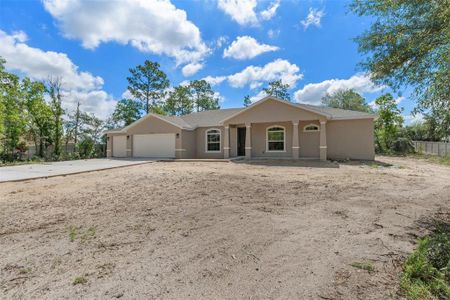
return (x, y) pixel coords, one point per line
(403, 145)
(426, 271)
(79, 280)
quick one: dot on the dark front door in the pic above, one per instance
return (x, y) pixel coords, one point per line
(241, 141)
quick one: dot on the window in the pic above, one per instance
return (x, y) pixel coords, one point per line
(311, 128)
(275, 139)
(213, 140)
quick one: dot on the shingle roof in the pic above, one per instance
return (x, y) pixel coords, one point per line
(178, 121)
(337, 113)
(209, 117)
(215, 117)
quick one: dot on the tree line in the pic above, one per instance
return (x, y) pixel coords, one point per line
(26, 117)
(31, 112)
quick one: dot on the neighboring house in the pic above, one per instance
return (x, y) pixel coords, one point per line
(268, 128)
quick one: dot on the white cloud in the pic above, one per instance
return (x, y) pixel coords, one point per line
(191, 69)
(312, 93)
(154, 26)
(258, 96)
(270, 12)
(255, 76)
(41, 65)
(410, 119)
(242, 11)
(214, 80)
(221, 40)
(246, 47)
(97, 102)
(273, 33)
(397, 101)
(314, 17)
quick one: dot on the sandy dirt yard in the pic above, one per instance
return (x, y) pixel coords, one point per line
(218, 230)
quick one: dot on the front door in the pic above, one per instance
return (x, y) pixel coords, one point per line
(241, 141)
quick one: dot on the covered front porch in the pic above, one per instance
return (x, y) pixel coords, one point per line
(294, 139)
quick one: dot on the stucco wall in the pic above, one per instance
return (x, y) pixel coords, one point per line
(233, 141)
(309, 141)
(155, 125)
(201, 143)
(189, 145)
(350, 139)
(273, 111)
(109, 143)
(259, 140)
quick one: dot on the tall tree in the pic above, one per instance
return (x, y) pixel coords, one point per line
(39, 115)
(346, 99)
(389, 122)
(13, 123)
(127, 111)
(278, 89)
(92, 126)
(148, 84)
(179, 101)
(247, 101)
(54, 89)
(408, 45)
(203, 95)
(72, 126)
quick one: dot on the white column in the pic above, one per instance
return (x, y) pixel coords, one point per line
(295, 144)
(226, 142)
(248, 141)
(323, 140)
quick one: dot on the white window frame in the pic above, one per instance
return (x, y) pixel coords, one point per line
(206, 140)
(284, 138)
(312, 124)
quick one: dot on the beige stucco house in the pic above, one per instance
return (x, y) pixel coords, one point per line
(268, 128)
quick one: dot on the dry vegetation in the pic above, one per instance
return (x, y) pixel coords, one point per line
(272, 230)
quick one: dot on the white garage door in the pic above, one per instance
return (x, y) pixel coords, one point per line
(119, 146)
(154, 145)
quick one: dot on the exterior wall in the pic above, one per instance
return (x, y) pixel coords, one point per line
(201, 143)
(155, 125)
(259, 140)
(350, 139)
(109, 143)
(189, 145)
(309, 141)
(273, 111)
(233, 141)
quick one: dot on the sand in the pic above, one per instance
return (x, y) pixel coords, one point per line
(218, 230)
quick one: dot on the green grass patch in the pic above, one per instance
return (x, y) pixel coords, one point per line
(83, 235)
(80, 280)
(367, 266)
(426, 272)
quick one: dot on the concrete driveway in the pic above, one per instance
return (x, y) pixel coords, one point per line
(31, 171)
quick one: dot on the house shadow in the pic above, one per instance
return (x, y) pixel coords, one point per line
(301, 163)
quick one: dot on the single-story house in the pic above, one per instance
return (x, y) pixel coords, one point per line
(269, 127)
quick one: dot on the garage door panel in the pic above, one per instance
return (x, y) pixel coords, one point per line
(159, 145)
(119, 146)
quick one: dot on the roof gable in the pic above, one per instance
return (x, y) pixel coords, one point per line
(273, 109)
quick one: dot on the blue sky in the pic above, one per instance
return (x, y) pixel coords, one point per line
(239, 46)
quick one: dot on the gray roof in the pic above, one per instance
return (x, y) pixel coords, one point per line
(337, 113)
(209, 117)
(215, 117)
(178, 121)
